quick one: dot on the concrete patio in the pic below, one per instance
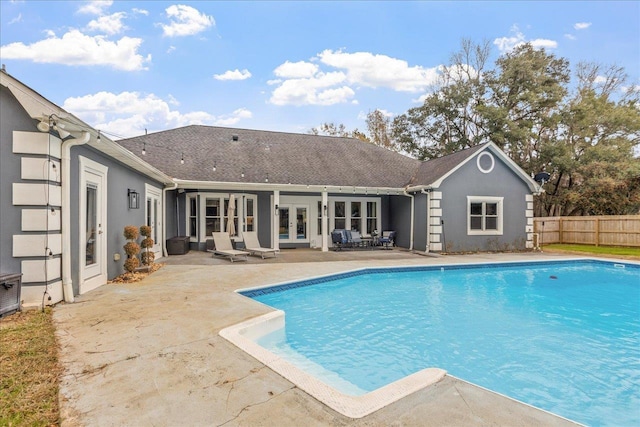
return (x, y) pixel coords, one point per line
(149, 353)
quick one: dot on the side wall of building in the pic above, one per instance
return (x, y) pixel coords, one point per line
(500, 182)
(120, 179)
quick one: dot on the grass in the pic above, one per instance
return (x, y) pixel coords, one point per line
(29, 370)
(633, 253)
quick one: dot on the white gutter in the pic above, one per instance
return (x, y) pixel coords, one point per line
(412, 218)
(65, 208)
(164, 217)
(428, 244)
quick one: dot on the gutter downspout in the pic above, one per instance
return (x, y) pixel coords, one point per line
(428, 194)
(412, 217)
(164, 217)
(65, 207)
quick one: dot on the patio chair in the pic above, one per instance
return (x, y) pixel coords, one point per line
(388, 238)
(356, 240)
(339, 239)
(252, 245)
(223, 246)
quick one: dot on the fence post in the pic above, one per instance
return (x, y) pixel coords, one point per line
(560, 230)
(597, 231)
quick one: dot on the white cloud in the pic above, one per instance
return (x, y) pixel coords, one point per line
(128, 114)
(507, 44)
(305, 83)
(600, 80)
(570, 36)
(316, 90)
(16, 19)
(109, 24)
(296, 70)
(140, 11)
(367, 69)
(76, 48)
(233, 75)
(96, 7)
(171, 49)
(185, 21)
(581, 25)
(363, 116)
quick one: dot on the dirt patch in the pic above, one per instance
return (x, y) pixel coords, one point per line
(137, 276)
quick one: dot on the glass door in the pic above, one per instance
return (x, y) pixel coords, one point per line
(93, 225)
(153, 215)
(283, 229)
(293, 223)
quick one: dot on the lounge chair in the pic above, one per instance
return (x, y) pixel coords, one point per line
(223, 246)
(388, 238)
(252, 245)
(356, 240)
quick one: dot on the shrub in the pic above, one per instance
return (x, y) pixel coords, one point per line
(131, 248)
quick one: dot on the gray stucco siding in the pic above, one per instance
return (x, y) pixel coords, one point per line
(120, 178)
(420, 222)
(470, 181)
(400, 219)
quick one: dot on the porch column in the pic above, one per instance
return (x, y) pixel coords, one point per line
(325, 221)
(276, 222)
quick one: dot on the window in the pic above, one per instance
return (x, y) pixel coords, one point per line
(356, 216)
(192, 212)
(249, 215)
(484, 215)
(212, 216)
(340, 215)
(372, 217)
(319, 217)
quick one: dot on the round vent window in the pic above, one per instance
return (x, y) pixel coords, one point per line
(485, 162)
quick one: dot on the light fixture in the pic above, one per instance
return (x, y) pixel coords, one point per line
(354, 190)
(98, 136)
(144, 148)
(134, 199)
(242, 173)
(266, 178)
(182, 159)
(307, 185)
(325, 209)
(60, 129)
(214, 165)
(277, 211)
(43, 126)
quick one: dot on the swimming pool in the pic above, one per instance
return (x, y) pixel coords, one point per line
(562, 336)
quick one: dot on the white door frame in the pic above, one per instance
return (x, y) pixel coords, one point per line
(293, 235)
(92, 174)
(154, 195)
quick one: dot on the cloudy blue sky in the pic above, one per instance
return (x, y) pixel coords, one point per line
(124, 67)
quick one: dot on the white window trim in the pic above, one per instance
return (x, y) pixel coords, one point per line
(363, 211)
(485, 199)
(202, 207)
(187, 216)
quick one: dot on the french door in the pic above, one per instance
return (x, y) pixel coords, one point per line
(93, 225)
(293, 223)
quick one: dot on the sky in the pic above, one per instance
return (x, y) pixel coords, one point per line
(129, 66)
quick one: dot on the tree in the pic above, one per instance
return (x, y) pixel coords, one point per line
(450, 118)
(527, 89)
(592, 164)
(379, 128)
(331, 129)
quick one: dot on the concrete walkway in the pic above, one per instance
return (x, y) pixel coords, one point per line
(149, 353)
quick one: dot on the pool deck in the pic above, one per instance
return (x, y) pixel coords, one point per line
(149, 353)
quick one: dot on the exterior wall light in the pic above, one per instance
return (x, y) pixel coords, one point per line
(134, 199)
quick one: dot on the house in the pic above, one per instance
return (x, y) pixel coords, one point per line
(67, 191)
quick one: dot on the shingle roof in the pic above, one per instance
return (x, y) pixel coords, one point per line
(432, 170)
(285, 157)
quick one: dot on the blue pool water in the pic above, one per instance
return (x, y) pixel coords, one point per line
(562, 336)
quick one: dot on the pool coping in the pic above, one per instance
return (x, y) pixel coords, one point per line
(242, 335)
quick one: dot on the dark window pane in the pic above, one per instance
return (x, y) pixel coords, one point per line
(355, 209)
(476, 208)
(491, 223)
(355, 224)
(340, 223)
(192, 227)
(492, 209)
(340, 210)
(476, 223)
(371, 209)
(372, 224)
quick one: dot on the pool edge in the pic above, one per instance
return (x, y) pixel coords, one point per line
(347, 405)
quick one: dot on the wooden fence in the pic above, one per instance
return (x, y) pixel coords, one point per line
(621, 230)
